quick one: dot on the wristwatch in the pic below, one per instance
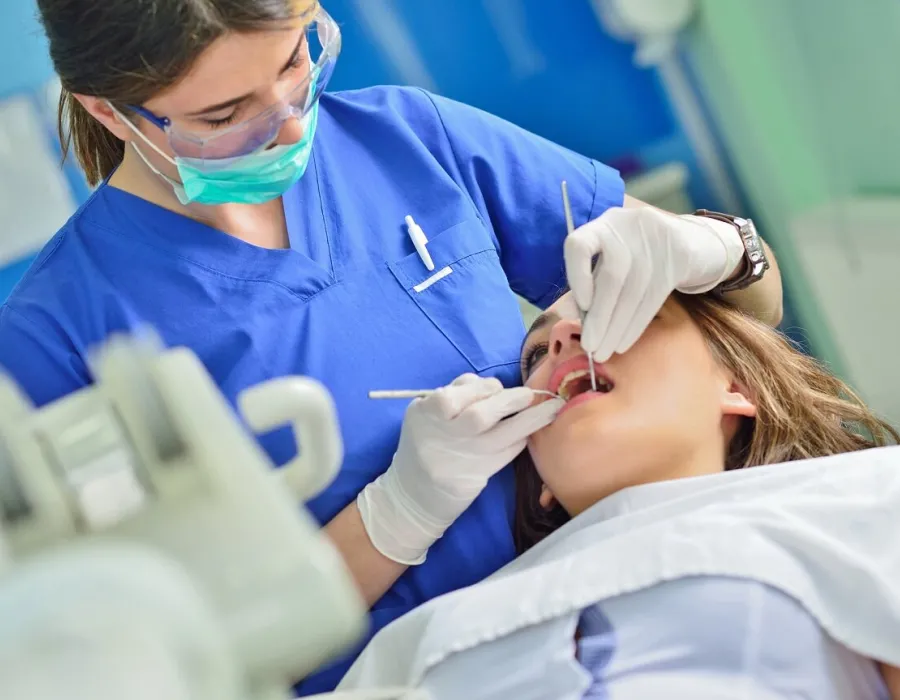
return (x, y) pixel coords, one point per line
(755, 261)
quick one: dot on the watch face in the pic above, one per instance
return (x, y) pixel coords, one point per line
(754, 251)
(752, 242)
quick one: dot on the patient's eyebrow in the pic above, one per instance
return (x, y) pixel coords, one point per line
(548, 318)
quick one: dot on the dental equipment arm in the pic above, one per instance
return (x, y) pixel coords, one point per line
(110, 621)
(763, 300)
(146, 541)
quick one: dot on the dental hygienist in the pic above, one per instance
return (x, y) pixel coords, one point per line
(262, 223)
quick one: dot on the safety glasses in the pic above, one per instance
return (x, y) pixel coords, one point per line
(321, 44)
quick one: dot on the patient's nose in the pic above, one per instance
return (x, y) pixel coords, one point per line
(565, 339)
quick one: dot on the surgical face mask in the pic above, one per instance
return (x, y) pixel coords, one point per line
(249, 179)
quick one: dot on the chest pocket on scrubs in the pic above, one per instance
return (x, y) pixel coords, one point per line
(467, 295)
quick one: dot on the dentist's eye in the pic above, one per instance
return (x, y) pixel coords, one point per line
(221, 121)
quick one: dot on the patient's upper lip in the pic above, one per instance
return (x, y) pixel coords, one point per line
(576, 363)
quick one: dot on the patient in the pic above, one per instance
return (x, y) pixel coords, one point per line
(705, 389)
(678, 580)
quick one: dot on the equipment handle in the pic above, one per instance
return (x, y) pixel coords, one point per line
(306, 405)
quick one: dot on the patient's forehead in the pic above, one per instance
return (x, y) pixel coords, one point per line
(565, 307)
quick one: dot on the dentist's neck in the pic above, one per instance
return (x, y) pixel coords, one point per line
(133, 176)
(261, 225)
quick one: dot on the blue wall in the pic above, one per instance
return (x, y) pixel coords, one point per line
(23, 51)
(574, 84)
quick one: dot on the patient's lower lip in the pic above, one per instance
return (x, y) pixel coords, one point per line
(580, 399)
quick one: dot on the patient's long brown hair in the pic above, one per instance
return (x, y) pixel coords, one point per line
(802, 410)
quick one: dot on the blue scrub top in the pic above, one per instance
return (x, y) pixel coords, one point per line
(342, 304)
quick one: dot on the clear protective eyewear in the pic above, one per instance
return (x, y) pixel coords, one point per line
(322, 43)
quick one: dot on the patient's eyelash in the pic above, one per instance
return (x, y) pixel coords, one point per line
(532, 356)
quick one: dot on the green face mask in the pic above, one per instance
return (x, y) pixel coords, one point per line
(250, 179)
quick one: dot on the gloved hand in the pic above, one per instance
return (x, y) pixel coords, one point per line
(643, 255)
(451, 443)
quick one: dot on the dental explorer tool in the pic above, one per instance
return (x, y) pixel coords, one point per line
(570, 227)
(422, 393)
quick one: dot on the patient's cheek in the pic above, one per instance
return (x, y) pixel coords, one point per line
(539, 441)
(539, 379)
(540, 398)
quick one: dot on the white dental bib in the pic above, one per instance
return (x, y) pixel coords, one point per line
(824, 532)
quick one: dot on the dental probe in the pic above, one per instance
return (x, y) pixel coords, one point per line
(422, 393)
(570, 226)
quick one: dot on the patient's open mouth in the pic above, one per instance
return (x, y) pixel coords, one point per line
(578, 382)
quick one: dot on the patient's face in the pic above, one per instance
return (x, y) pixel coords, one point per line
(662, 407)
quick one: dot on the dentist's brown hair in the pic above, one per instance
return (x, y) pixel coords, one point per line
(802, 409)
(127, 51)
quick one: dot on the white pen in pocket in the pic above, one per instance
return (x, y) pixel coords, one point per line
(422, 393)
(420, 241)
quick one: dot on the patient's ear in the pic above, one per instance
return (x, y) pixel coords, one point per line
(547, 500)
(737, 400)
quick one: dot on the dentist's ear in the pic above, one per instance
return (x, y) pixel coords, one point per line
(99, 109)
(737, 400)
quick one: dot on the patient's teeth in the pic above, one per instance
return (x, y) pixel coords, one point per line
(568, 380)
(564, 389)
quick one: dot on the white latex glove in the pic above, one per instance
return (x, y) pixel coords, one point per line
(643, 255)
(451, 443)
